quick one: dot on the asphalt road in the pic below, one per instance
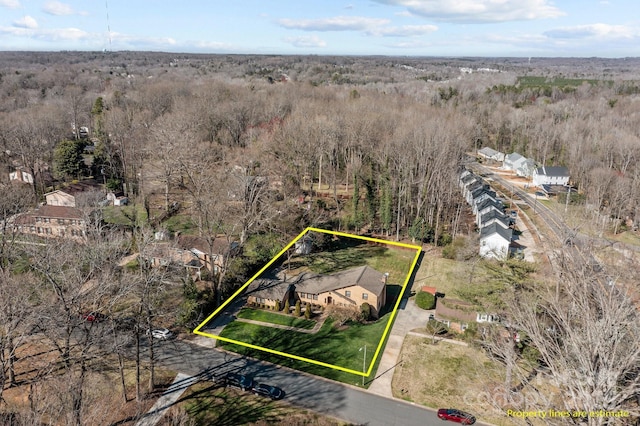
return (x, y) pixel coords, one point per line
(324, 396)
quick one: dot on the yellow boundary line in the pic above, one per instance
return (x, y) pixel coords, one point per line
(300, 358)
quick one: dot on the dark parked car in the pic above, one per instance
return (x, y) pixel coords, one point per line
(457, 416)
(238, 381)
(269, 391)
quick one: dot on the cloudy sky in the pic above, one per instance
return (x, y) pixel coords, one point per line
(584, 28)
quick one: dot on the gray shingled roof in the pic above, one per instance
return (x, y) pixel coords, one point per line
(363, 276)
(494, 228)
(552, 171)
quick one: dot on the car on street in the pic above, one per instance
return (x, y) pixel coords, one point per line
(458, 416)
(161, 333)
(93, 316)
(238, 381)
(268, 391)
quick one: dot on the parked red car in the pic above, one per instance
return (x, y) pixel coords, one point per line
(93, 316)
(457, 416)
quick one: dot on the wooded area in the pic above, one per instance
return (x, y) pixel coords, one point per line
(251, 150)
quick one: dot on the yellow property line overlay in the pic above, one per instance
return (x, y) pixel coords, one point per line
(299, 358)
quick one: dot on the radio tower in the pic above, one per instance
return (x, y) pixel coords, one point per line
(106, 5)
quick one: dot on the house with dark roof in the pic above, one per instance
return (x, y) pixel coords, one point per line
(488, 205)
(495, 241)
(551, 175)
(349, 288)
(494, 216)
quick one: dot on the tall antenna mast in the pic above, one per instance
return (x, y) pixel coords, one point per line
(106, 5)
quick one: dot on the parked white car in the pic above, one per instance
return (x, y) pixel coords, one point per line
(161, 333)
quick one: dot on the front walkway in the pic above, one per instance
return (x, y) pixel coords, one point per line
(408, 317)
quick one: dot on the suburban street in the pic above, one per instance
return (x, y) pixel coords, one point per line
(331, 398)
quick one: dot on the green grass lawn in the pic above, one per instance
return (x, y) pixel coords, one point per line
(345, 253)
(275, 318)
(339, 347)
(125, 215)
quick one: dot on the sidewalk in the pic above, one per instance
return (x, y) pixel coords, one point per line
(180, 384)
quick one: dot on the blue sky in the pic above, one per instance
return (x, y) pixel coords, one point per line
(580, 28)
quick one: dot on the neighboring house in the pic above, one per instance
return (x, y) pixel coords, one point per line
(212, 257)
(493, 216)
(472, 188)
(190, 252)
(117, 199)
(520, 165)
(555, 175)
(60, 198)
(458, 314)
(491, 154)
(20, 175)
(495, 242)
(349, 288)
(481, 195)
(52, 221)
(488, 205)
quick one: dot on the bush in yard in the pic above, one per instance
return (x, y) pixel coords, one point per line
(365, 311)
(298, 311)
(425, 300)
(307, 311)
(287, 307)
(277, 306)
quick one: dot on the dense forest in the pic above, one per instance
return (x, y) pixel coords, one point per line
(253, 149)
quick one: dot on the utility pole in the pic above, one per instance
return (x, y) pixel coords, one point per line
(566, 204)
(364, 362)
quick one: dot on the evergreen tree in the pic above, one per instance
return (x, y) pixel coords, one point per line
(298, 310)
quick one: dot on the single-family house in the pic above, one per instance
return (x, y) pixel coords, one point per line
(551, 175)
(520, 165)
(493, 216)
(60, 198)
(458, 314)
(491, 154)
(21, 175)
(57, 221)
(193, 253)
(349, 288)
(495, 241)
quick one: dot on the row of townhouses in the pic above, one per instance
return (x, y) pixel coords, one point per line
(492, 221)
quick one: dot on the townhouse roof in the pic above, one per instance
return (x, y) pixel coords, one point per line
(495, 229)
(553, 171)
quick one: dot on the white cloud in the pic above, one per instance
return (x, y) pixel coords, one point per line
(403, 31)
(594, 31)
(57, 8)
(478, 11)
(10, 4)
(338, 23)
(306, 41)
(369, 26)
(26, 22)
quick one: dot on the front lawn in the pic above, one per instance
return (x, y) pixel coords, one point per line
(337, 347)
(275, 318)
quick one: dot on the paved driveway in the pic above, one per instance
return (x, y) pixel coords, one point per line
(408, 317)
